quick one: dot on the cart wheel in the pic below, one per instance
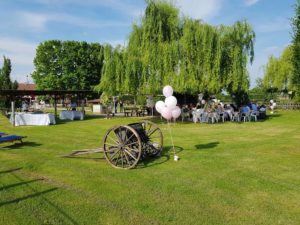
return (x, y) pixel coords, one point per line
(122, 147)
(155, 142)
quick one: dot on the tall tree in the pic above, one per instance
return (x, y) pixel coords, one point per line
(296, 48)
(150, 51)
(279, 71)
(112, 78)
(237, 51)
(5, 81)
(67, 65)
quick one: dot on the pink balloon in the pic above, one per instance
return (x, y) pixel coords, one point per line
(166, 113)
(168, 91)
(176, 112)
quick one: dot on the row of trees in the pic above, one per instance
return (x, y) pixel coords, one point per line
(163, 48)
(189, 54)
(283, 73)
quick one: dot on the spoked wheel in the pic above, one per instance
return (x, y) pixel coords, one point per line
(155, 142)
(122, 147)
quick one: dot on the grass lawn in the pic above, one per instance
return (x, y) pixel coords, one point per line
(247, 173)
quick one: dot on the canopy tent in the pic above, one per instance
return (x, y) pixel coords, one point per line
(12, 95)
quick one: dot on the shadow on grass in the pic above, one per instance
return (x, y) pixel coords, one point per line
(10, 170)
(268, 117)
(154, 161)
(40, 194)
(147, 162)
(158, 120)
(20, 145)
(271, 116)
(83, 157)
(5, 187)
(207, 146)
(36, 194)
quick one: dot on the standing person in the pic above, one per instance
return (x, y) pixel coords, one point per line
(109, 111)
(121, 106)
(115, 104)
(149, 105)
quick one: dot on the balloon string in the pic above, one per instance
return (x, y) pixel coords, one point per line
(171, 138)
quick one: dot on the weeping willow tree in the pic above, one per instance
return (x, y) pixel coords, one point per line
(189, 54)
(152, 51)
(237, 51)
(200, 55)
(113, 77)
(279, 72)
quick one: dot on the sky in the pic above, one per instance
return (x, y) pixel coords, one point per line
(26, 23)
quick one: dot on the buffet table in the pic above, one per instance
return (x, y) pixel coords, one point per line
(34, 119)
(71, 115)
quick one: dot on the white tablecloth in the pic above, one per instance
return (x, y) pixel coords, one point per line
(32, 119)
(71, 115)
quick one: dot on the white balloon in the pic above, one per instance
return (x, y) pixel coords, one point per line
(168, 91)
(159, 105)
(271, 101)
(171, 102)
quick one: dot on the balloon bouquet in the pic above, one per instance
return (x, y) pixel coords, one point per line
(169, 110)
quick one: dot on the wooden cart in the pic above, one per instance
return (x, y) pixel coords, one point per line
(124, 146)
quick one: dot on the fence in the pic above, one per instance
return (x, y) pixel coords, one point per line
(288, 106)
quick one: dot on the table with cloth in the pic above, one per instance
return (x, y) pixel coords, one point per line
(34, 119)
(71, 115)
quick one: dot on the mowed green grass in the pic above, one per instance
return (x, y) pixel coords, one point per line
(231, 173)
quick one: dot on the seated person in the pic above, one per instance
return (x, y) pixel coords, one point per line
(219, 109)
(254, 107)
(245, 110)
(73, 106)
(262, 111)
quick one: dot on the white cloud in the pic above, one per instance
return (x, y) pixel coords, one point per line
(86, 22)
(250, 2)
(127, 7)
(279, 24)
(21, 53)
(200, 9)
(34, 21)
(38, 21)
(256, 70)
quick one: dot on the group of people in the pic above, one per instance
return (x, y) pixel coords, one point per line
(214, 110)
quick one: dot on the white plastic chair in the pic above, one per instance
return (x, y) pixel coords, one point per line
(254, 115)
(197, 115)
